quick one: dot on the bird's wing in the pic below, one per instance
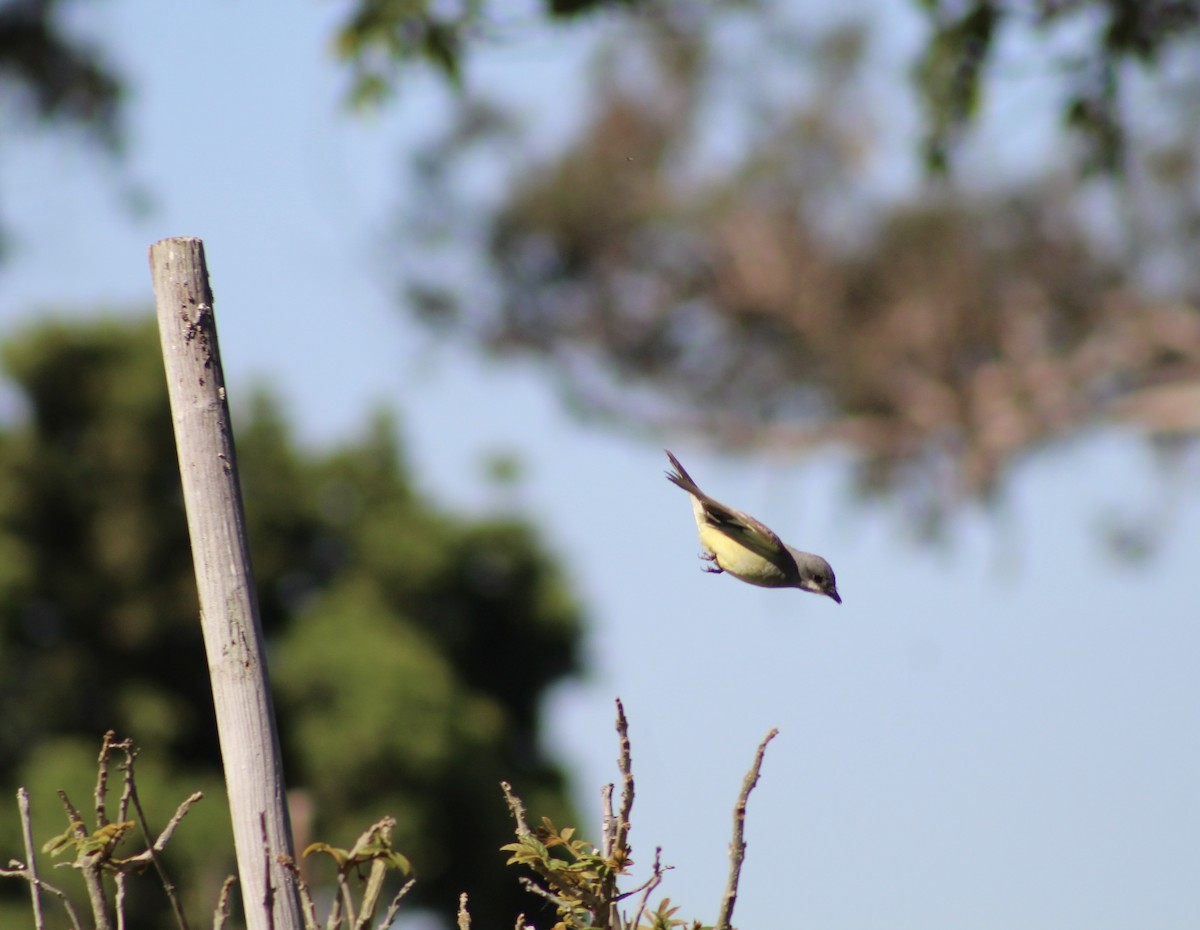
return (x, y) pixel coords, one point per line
(751, 533)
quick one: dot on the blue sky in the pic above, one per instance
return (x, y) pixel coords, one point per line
(999, 733)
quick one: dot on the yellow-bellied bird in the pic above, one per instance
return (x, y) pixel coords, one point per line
(736, 543)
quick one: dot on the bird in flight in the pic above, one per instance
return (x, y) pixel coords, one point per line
(736, 543)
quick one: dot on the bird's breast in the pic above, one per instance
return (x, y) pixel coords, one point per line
(743, 563)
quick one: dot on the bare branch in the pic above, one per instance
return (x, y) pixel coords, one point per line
(142, 859)
(516, 808)
(307, 907)
(464, 918)
(20, 870)
(119, 900)
(617, 854)
(608, 823)
(345, 900)
(390, 917)
(532, 886)
(89, 866)
(625, 764)
(106, 748)
(653, 882)
(73, 815)
(100, 795)
(129, 797)
(31, 867)
(180, 812)
(737, 848)
(221, 913)
(377, 872)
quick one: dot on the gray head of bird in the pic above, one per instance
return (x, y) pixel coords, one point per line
(816, 575)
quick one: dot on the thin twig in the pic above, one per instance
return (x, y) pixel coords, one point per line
(608, 823)
(221, 914)
(127, 747)
(347, 898)
(464, 916)
(122, 810)
(101, 793)
(376, 875)
(625, 765)
(143, 858)
(737, 848)
(20, 870)
(607, 916)
(334, 920)
(89, 866)
(652, 883)
(535, 888)
(39, 922)
(119, 900)
(307, 907)
(130, 796)
(516, 808)
(390, 917)
(73, 815)
(642, 887)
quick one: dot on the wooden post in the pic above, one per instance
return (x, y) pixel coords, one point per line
(228, 602)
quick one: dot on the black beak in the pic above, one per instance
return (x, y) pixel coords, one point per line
(833, 594)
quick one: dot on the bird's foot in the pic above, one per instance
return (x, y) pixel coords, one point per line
(714, 569)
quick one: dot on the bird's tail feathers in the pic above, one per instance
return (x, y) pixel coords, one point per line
(681, 478)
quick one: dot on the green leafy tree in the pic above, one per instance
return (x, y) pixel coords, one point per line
(411, 649)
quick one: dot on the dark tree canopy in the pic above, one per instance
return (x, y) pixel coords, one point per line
(410, 649)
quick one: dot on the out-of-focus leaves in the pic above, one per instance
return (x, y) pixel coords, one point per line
(964, 36)
(381, 37)
(950, 74)
(410, 649)
(65, 80)
(55, 78)
(944, 339)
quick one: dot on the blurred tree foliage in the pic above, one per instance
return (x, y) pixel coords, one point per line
(66, 80)
(61, 78)
(52, 77)
(714, 251)
(410, 649)
(1097, 45)
(1121, 36)
(708, 254)
(58, 77)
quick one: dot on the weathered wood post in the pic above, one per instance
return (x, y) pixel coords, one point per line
(228, 602)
